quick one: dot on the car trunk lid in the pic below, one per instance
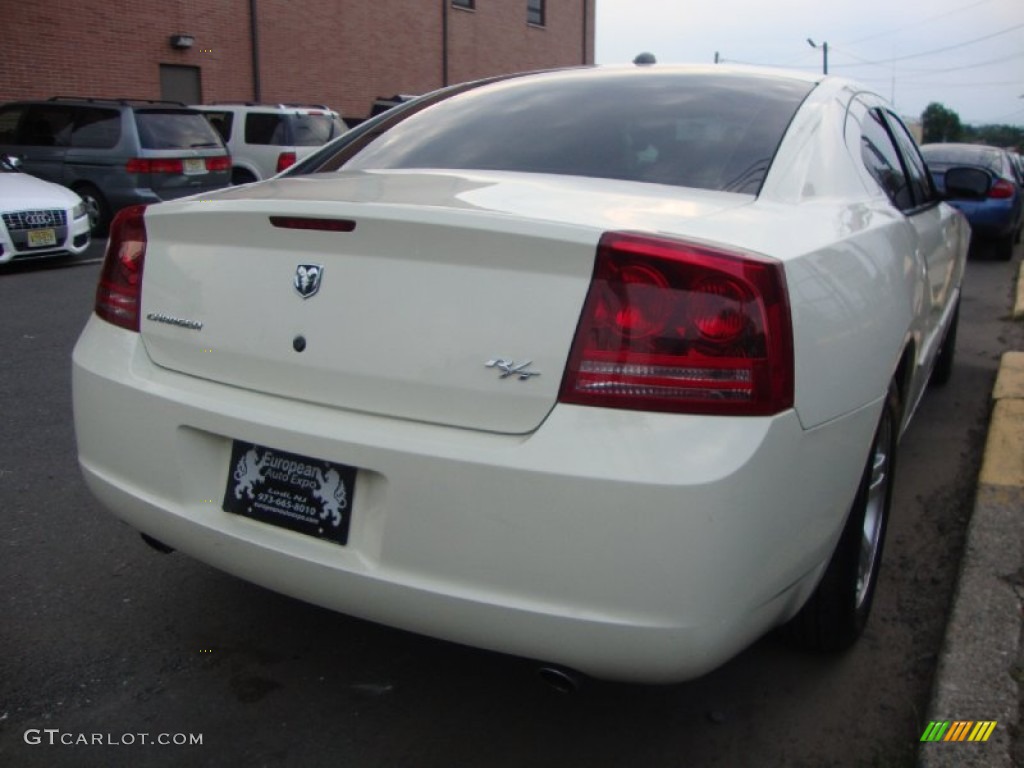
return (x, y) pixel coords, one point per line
(439, 297)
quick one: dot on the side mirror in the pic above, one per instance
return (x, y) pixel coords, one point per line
(967, 184)
(11, 160)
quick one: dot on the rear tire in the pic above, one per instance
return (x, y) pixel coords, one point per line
(944, 364)
(241, 176)
(1004, 248)
(835, 615)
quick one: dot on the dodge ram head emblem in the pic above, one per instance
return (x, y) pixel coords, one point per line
(307, 279)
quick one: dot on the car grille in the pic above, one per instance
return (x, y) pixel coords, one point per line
(22, 220)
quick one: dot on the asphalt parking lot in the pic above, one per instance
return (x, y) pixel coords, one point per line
(105, 637)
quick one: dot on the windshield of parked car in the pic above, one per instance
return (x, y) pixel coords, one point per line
(175, 129)
(711, 131)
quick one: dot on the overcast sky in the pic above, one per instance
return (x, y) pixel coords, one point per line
(965, 54)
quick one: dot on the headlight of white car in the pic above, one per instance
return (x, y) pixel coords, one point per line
(78, 211)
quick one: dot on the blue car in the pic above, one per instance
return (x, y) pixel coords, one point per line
(996, 215)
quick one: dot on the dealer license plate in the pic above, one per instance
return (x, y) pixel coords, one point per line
(296, 492)
(194, 165)
(39, 238)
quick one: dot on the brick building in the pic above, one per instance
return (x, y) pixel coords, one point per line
(343, 53)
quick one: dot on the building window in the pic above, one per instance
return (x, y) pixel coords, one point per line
(467, 4)
(535, 12)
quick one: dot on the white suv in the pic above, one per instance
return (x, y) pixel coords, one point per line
(264, 139)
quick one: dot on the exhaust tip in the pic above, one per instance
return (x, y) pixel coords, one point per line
(561, 680)
(156, 544)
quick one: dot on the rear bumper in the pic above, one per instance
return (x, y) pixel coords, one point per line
(629, 546)
(992, 219)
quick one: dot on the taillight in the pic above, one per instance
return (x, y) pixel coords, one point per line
(155, 165)
(218, 163)
(285, 160)
(679, 327)
(119, 292)
(1002, 189)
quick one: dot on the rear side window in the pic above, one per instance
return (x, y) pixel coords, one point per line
(174, 129)
(9, 119)
(266, 128)
(717, 132)
(46, 125)
(883, 161)
(920, 180)
(221, 122)
(96, 128)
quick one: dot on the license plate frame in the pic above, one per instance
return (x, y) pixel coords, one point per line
(193, 166)
(288, 490)
(42, 238)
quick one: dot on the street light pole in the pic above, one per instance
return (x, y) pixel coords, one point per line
(824, 54)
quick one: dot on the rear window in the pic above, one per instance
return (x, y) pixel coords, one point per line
(174, 129)
(289, 130)
(711, 131)
(96, 128)
(942, 157)
(266, 128)
(312, 130)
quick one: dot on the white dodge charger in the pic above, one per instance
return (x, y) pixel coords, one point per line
(604, 368)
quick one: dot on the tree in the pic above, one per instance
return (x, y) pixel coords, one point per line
(1009, 136)
(938, 124)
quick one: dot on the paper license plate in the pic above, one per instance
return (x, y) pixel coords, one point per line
(37, 238)
(301, 494)
(194, 165)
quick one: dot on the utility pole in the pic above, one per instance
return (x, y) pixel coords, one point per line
(824, 54)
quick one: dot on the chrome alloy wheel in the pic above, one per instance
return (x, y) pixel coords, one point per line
(92, 208)
(875, 508)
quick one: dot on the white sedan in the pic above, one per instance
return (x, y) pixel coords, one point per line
(605, 368)
(38, 218)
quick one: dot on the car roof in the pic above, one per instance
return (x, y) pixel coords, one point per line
(259, 107)
(123, 102)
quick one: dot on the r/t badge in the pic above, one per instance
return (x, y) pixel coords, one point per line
(512, 368)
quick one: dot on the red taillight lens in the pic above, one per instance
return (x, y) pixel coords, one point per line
(218, 163)
(119, 292)
(155, 165)
(1002, 189)
(285, 160)
(673, 326)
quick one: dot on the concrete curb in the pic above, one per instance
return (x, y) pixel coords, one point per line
(1018, 308)
(980, 665)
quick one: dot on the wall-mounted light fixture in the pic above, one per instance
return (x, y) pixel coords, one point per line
(182, 41)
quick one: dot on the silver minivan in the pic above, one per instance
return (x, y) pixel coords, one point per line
(115, 152)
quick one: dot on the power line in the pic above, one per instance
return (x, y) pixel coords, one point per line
(980, 65)
(919, 23)
(1003, 83)
(912, 72)
(937, 50)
